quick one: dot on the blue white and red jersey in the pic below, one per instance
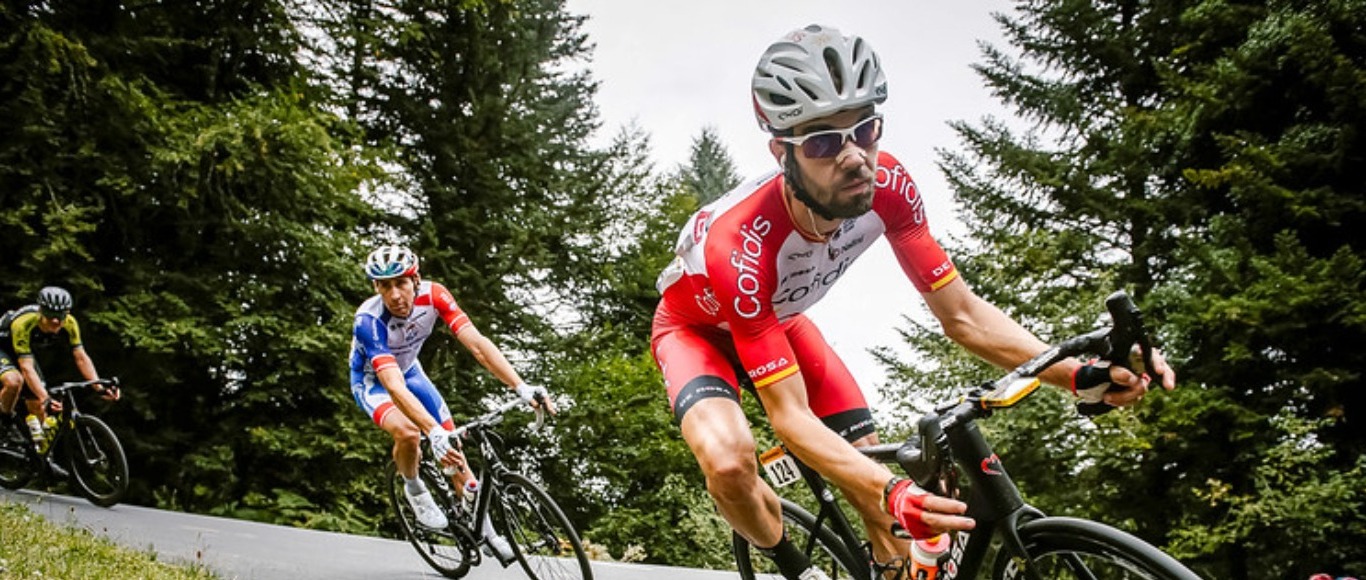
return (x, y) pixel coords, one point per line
(742, 266)
(380, 340)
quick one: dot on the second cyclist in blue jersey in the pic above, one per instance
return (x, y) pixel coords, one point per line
(388, 381)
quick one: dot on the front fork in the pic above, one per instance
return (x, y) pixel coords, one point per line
(995, 504)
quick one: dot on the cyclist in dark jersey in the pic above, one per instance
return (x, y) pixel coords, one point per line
(750, 263)
(46, 324)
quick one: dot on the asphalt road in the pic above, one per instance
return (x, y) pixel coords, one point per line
(237, 549)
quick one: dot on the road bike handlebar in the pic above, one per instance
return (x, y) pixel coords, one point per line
(495, 416)
(923, 456)
(111, 382)
(1126, 335)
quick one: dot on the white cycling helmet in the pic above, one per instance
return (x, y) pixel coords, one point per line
(814, 72)
(390, 262)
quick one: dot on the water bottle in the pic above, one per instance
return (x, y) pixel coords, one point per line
(471, 486)
(35, 428)
(927, 554)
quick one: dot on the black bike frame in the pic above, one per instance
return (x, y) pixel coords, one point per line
(994, 501)
(65, 420)
(489, 477)
(493, 471)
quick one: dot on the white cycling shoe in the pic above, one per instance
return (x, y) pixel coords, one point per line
(495, 545)
(500, 549)
(813, 573)
(426, 510)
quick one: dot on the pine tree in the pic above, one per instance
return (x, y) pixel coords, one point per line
(171, 166)
(710, 172)
(1207, 157)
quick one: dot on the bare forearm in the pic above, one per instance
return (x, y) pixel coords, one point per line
(85, 365)
(815, 444)
(496, 363)
(831, 456)
(489, 356)
(31, 378)
(986, 331)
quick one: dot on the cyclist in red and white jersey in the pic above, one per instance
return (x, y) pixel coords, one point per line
(389, 384)
(749, 265)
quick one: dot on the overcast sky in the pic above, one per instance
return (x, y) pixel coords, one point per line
(673, 68)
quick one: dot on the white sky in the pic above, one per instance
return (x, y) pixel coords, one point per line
(673, 68)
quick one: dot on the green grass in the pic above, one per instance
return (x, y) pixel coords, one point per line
(33, 547)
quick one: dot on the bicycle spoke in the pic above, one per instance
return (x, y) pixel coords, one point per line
(541, 536)
(817, 542)
(1069, 549)
(98, 465)
(449, 551)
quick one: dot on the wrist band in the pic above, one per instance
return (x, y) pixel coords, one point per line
(887, 491)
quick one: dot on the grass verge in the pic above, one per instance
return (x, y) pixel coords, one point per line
(33, 547)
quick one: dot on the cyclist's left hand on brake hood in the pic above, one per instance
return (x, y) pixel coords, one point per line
(52, 406)
(530, 393)
(923, 514)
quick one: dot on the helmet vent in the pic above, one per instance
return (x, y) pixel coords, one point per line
(832, 62)
(812, 73)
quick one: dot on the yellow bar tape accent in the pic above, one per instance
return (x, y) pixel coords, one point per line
(773, 378)
(944, 280)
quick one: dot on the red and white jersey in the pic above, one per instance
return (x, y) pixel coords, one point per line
(380, 340)
(744, 267)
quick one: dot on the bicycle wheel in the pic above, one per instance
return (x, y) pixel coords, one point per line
(16, 460)
(545, 542)
(1062, 548)
(449, 551)
(821, 545)
(98, 466)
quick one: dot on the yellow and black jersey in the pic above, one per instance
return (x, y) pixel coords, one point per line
(19, 333)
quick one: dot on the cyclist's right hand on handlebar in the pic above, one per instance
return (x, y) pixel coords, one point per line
(441, 445)
(1098, 381)
(109, 392)
(922, 514)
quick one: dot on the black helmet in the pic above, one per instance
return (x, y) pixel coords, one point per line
(54, 301)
